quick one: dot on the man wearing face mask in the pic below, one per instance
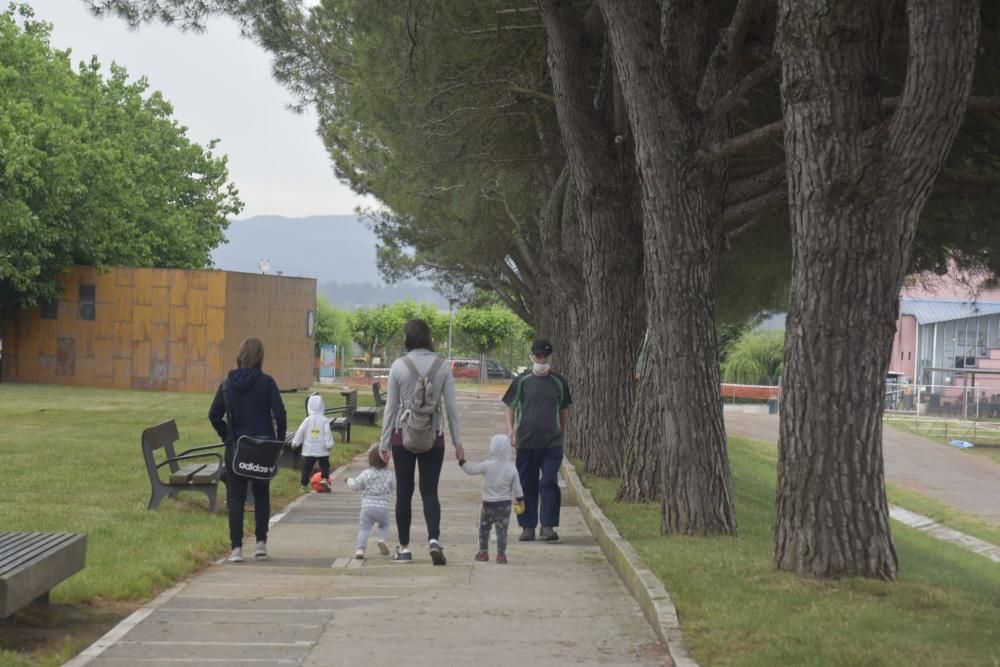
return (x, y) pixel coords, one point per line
(537, 412)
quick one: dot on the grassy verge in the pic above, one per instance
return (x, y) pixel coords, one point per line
(71, 461)
(735, 609)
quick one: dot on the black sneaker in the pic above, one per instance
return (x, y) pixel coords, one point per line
(547, 534)
(437, 553)
(527, 535)
(402, 556)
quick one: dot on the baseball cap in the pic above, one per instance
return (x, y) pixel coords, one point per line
(541, 347)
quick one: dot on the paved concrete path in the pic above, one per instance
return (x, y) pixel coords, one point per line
(959, 479)
(313, 604)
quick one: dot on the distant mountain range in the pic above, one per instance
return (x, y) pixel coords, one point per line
(337, 250)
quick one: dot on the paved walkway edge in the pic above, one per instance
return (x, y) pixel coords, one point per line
(944, 533)
(645, 587)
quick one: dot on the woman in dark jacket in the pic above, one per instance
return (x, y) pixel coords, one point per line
(256, 410)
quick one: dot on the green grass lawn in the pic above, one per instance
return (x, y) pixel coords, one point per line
(71, 461)
(735, 609)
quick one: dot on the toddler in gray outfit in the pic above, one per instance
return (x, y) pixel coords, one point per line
(500, 485)
(377, 484)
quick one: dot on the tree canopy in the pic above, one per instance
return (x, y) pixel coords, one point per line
(95, 170)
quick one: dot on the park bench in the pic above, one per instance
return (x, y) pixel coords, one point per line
(369, 415)
(32, 564)
(343, 415)
(194, 475)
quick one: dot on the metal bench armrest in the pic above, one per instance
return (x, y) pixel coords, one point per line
(202, 448)
(185, 457)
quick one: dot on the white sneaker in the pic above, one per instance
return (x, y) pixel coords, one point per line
(383, 548)
(360, 554)
(236, 556)
(260, 551)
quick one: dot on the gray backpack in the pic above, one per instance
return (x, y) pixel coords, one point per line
(418, 419)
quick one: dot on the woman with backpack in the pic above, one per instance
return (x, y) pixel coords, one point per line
(421, 389)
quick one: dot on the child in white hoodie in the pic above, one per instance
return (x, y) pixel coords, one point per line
(500, 484)
(316, 439)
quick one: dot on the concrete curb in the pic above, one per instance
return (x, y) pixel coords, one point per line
(652, 597)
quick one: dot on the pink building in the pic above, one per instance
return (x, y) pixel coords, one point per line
(947, 326)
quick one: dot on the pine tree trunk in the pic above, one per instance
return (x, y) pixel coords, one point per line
(857, 184)
(681, 424)
(612, 318)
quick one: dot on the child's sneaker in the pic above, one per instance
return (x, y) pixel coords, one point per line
(383, 548)
(483, 556)
(360, 554)
(236, 555)
(325, 483)
(304, 489)
(402, 556)
(501, 559)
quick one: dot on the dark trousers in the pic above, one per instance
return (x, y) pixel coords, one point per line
(406, 464)
(532, 464)
(307, 467)
(236, 497)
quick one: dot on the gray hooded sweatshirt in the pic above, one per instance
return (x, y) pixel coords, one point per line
(502, 481)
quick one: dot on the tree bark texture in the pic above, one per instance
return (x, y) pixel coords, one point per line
(605, 189)
(857, 182)
(680, 424)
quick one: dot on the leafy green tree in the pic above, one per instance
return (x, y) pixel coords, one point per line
(96, 171)
(487, 328)
(757, 357)
(334, 326)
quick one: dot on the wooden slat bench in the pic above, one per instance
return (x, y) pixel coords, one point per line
(194, 475)
(342, 416)
(369, 415)
(32, 564)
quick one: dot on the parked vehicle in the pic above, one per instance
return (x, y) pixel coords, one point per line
(469, 369)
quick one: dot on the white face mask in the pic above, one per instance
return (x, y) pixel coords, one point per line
(539, 369)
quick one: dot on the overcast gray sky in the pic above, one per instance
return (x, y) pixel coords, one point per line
(221, 88)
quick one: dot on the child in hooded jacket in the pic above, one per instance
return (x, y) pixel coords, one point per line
(500, 485)
(316, 439)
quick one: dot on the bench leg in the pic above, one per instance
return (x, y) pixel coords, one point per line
(211, 499)
(157, 497)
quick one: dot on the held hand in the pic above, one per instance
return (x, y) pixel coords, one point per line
(347, 480)
(512, 434)
(459, 452)
(384, 454)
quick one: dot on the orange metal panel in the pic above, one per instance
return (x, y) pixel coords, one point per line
(217, 289)
(143, 292)
(196, 342)
(105, 286)
(215, 368)
(161, 277)
(123, 303)
(178, 324)
(215, 319)
(195, 380)
(179, 286)
(161, 305)
(200, 279)
(85, 338)
(124, 277)
(178, 361)
(103, 357)
(159, 342)
(104, 324)
(86, 274)
(70, 283)
(140, 359)
(142, 320)
(84, 375)
(121, 374)
(197, 302)
(43, 338)
(123, 340)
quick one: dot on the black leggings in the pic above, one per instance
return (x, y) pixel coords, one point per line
(406, 463)
(308, 462)
(236, 497)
